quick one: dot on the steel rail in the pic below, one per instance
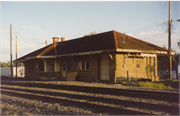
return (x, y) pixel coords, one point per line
(164, 96)
(94, 107)
(159, 107)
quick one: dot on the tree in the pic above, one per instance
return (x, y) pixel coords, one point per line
(91, 33)
(4, 64)
(172, 50)
(18, 64)
(167, 49)
(8, 64)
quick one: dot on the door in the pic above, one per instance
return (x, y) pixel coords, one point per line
(104, 67)
(174, 74)
(64, 69)
(161, 74)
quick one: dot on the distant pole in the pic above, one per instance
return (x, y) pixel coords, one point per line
(46, 42)
(169, 41)
(16, 56)
(11, 49)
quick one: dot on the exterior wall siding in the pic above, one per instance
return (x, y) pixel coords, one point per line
(91, 74)
(147, 67)
(163, 67)
(72, 65)
(119, 65)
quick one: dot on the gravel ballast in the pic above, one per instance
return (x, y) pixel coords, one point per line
(12, 105)
(97, 84)
(20, 106)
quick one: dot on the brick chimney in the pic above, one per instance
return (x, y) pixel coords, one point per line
(55, 39)
(62, 39)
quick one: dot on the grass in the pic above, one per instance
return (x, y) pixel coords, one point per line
(154, 85)
(174, 83)
(162, 84)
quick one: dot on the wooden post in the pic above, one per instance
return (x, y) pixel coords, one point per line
(11, 50)
(16, 56)
(169, 42)
(128, 79)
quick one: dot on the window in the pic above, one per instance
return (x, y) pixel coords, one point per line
(57, 65)
(50, 65)
(40, 65)
(64, 67)
(83, 65)
(137, 64)
(87, 65)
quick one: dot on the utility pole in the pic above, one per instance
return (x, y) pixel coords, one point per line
(16, 56)
(169, 42)
(11, 49)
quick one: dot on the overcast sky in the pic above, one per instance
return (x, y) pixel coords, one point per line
(35, 22)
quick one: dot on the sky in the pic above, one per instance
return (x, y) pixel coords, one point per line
(35, 22)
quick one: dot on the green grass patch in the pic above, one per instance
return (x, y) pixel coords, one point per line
(155, 85)
(174, 83)
(168, 80)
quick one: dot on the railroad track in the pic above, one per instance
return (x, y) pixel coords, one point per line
(91, 104)
(165, 96)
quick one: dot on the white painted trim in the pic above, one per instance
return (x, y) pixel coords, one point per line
(144, 51)
(45, 65)
(150, 55)
(111, 56)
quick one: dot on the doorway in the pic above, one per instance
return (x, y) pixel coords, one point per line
(64, 69)
(104, 67)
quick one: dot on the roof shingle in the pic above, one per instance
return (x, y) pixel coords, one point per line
(102, 41)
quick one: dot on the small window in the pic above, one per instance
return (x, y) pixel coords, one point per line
(137, 64)
(87, 65)
(64, 67)
(80, 65)
(83, 65)
(49, 65)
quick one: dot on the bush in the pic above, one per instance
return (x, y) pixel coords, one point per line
(133, 79)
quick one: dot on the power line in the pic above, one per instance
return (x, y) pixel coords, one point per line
(148, 27)
(157, 20)
(155, 26)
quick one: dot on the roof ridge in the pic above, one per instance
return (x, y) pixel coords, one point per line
(33, 52)
(115, 39)
(48, 49)
(87, 36)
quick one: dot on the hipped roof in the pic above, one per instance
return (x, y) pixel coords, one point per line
(111, 40)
